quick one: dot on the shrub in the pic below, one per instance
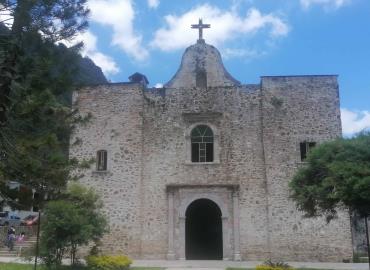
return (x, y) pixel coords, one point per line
(119, 262)
(273, 265)
(71, 222)
(267, 267)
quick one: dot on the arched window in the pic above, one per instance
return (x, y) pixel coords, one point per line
(202, 144)
(101, 160)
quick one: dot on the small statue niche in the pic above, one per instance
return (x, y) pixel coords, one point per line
(201, 79)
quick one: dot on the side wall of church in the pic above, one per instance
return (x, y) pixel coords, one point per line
(167, 122)
(115, 125)
(298, 109)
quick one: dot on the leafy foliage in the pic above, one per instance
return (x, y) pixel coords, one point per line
(71, 222)
(55, 20)
(36, 135)
(20, 197)
(37, 78)
(276, 264)
(337, 175)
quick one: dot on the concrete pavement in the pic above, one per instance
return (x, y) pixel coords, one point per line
(221, 265)
(212, 265)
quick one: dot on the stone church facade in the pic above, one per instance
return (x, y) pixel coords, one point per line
(199, 169)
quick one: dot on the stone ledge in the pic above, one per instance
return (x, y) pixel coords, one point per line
(234, 187)
(201, 163)
(201, 116)
(100, 172)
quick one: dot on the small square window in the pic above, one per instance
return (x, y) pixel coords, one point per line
(101, 160)
(305, 148)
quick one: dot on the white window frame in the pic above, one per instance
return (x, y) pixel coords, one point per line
(216, 148)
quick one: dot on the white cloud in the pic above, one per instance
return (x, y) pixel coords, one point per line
(225, 25)
(153, 3)
(326, 3)
(354, 121)
(5, 17)
(120, 15)
(107, 64)
(158, 85)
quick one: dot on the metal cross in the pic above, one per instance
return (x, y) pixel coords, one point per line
(200, 26)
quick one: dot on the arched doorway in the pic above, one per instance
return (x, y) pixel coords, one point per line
(203, 231)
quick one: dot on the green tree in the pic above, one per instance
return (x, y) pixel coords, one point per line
(28, 21)
(36, 81)
(337, 175)
(71, 222)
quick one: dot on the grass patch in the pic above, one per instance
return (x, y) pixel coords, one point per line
(20, 266)
(15, 266)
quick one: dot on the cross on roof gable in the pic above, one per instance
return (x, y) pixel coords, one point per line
(200, 26)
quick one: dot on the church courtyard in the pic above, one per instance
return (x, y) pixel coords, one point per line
(17, 264)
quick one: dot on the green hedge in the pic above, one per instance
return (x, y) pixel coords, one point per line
(119, 262)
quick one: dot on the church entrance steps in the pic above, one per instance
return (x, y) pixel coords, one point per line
(218, 265)
(30, 242)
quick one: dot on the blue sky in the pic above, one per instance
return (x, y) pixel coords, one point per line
(255, 38)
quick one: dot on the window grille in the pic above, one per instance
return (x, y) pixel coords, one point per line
(202, 141)
(305, 148)
(101, 158)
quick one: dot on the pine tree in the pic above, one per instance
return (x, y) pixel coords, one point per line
(36, 81)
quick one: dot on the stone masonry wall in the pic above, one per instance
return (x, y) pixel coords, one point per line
(297, 109)
(241, 159)
(115, 126)
(257, 129)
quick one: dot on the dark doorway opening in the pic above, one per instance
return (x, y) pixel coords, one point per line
(203, 231)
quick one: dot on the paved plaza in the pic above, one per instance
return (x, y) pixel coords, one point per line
(217, 265)
(220, 265)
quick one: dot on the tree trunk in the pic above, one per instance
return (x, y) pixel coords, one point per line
(73, 254)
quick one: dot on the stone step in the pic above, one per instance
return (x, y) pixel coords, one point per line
(8, 253)
(25, 244)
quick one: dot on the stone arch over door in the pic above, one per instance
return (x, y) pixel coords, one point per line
(213, 197)
(226, 197)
